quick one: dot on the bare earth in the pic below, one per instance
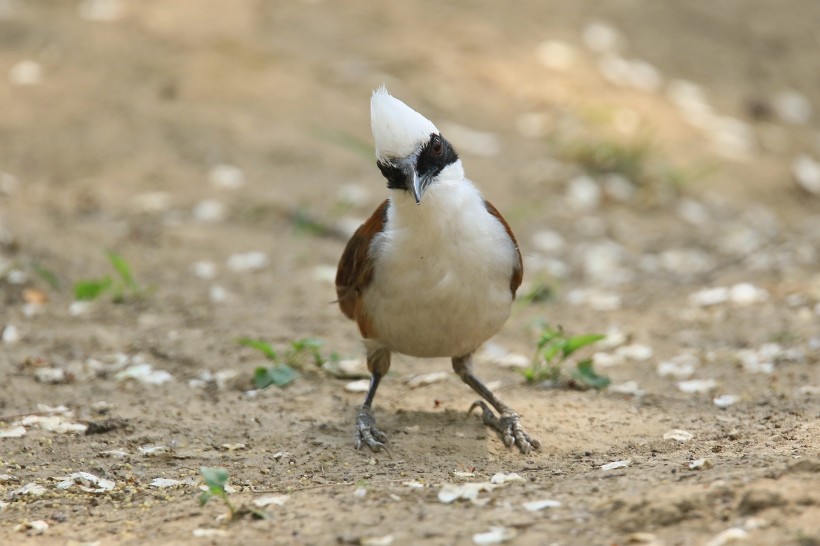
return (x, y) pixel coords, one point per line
(156, 98)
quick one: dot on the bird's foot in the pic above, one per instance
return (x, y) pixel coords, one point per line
(367, 433)
(509, 425)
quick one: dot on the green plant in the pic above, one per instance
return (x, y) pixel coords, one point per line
(120, 287)
(215, 481)
(283, 370)
(553, 349)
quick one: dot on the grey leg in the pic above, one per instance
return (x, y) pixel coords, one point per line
(507, 423)
(378, 362)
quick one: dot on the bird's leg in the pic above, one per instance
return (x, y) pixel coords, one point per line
(507, 422)
(378, 362)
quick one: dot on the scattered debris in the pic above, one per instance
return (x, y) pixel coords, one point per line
(536, 506)
(144, 373)
(725, 400)
(268, 500)
(246, 262)
(227, 177)
(466, 491)
(496, 535)
(13, 432)
(36, 527)
(361, 385)
(32, 489)
(616, 464)
(163, 483)
(728, 536)
(502, 478)
(699, 464)
(697, 385)
(426, 379)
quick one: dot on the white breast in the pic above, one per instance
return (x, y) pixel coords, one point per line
(442, 269)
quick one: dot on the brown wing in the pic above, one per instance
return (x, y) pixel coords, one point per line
(356, 268)
(518, 266)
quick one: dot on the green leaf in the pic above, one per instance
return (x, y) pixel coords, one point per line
(90, 290)
(124, 270)
(260, 346)
(204, 497)
(215, 478)
(574, 343)
(278, 374)
(586, 375)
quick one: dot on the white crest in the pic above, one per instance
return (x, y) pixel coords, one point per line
(397, 129)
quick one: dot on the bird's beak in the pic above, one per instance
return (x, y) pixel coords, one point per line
(415, 184)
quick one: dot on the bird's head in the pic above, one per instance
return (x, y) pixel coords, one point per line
(410, 151)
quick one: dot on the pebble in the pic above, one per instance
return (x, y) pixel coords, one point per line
(248, 261)
(218, 294)
(268, 500)
(13, 432)
(583, 193)
(79, 308)
(634, 73)
(628, 387)
(555, 54)
(690, 99)
(606, 360)
(732, 138)
(601, 37)
(725, 400)
(450, 493)
(806, 171)
(385, 540)
(699, 464)
(36, 527)
(26, 73)
(697, 385)
(619, 188)
(29, 489)
(10, 335)
(682, 366)
(596, 299)
(144, 373)
(86, 481)
(210, 211)
(163, 483)
(155, 201)
(501, 477)
(204, 269)
(227, 177)
(792, 107)
(693, 212)
(635, 352)
(548, 241)
(209, 533)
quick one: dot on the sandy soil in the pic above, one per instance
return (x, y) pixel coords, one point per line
(113, 139)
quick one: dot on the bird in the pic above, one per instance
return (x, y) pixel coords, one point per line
(434, 270)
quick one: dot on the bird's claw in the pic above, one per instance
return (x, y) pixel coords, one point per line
(367, 433)
(508, 424)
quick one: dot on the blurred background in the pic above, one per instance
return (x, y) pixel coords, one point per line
(224, 150)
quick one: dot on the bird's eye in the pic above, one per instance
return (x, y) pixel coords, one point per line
(436, 146)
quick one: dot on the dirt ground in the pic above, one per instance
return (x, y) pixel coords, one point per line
(184, 135)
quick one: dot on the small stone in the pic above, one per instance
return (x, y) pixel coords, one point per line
(13, 432)
(79, 308)
(699, 464)
(204, 269)
(792, 107)
(709, 297)
(427, 379)
(210, 211)
(628, 387)
(556, 55)
(601, 37)
(36, 527)
(692, 212)
(619, 188)
(548, 241)
(583, 193)
(248, 261)
(228, 177)
(218, 294)
(682, 366)
(26, 73)
(209, 533)
(10, 335)
(268, 500)
(635, 352)
(157, 201)
(500, 478)
(163, 483)
(806, 171)
(743, 294)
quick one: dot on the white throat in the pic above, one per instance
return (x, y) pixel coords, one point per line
(442, 269)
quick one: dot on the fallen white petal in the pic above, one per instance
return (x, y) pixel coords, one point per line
(496, 535)
(29, 489)
(358, 386)
(37, 527)
(726, 400)
(165, 482)
(468, 491)
(616, 464)
(678, 435)
(501, 477)
(427, 379)
(209, 533)
(386, 540)
(13, 432)
(697, 385)
(535, 506)
(728, 536)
